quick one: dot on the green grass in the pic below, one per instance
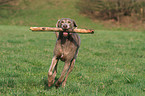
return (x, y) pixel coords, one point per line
(110, 63)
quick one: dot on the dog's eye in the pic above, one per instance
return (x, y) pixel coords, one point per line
(69, 22)
(62, 21)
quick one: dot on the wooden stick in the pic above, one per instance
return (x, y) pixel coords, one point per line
(61, 30)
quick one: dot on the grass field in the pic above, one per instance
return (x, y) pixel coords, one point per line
(110, 63)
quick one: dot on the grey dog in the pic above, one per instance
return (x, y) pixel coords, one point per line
(66, 49)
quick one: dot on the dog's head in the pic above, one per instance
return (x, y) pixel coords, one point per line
(66, 23)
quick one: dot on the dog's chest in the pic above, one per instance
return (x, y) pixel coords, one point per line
(66, 46)
(65, 49)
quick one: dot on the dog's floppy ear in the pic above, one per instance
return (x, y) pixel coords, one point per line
(75, 25)
(57, 24)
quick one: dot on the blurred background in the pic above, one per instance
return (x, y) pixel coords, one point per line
(95, 14)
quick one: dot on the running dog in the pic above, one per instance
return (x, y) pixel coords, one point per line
(66, 49)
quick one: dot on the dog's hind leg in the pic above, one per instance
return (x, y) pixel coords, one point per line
(51, 75)
(70, 70)
(61, 78)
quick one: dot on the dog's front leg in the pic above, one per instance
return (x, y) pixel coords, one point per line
(65, 69)
(51, 75)
(70, 70)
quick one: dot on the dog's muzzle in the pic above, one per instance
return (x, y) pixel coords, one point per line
(65, 26)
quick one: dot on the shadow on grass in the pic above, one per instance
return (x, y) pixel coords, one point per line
(45, 81)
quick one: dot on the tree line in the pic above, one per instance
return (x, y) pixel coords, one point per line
(112, 9)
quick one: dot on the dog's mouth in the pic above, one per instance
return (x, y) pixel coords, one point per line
(65, 34)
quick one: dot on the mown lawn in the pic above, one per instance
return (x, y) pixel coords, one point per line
(110, 63)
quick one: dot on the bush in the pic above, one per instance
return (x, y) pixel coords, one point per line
(112, 9)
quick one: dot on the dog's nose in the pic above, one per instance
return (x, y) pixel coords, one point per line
(65, 26)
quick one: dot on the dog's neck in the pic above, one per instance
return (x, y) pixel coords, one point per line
(63, 39)
(64, 35)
